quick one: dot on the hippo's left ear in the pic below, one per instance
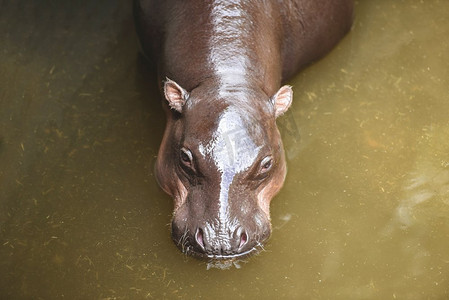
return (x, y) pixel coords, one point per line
(175, 95)
(282, 100)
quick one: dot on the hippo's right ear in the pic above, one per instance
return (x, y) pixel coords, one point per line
(282, 100)
(175, 95)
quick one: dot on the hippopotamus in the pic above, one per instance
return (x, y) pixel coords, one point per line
(221, 64)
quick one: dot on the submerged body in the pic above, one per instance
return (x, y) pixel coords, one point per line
(222, 64)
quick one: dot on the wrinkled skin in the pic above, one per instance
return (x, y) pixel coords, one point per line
(221, 65)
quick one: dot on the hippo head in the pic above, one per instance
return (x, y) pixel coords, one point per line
(222, 161)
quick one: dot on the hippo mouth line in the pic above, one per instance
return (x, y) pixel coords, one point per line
(224, 257)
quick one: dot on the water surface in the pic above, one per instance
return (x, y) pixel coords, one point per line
(364, 213)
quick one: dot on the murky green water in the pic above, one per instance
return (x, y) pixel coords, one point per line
(364, 213)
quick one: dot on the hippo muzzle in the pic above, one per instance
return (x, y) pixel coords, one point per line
(199, 233)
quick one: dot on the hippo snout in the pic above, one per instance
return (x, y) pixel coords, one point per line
(219, 242)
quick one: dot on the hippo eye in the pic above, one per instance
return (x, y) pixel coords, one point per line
(266, 164)
(186, 157)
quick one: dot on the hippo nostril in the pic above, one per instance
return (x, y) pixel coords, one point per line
(243, 240)
(199, 237)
